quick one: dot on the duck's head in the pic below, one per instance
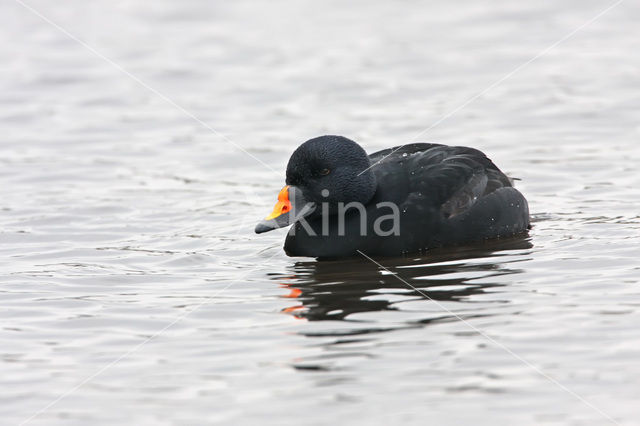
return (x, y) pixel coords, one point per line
(326, 169)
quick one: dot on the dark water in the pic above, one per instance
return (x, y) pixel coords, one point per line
(134, 290)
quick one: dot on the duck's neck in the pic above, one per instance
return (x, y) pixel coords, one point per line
(362, 188)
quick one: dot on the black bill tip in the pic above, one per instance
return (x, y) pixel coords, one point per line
(264, 226)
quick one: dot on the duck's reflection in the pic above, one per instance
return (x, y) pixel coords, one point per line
(336, 290)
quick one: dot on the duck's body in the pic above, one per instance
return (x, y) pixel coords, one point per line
(443, 195)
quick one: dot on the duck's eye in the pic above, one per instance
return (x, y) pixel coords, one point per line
(324, 172)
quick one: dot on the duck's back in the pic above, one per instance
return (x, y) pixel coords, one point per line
(445, 195)
(439, 174)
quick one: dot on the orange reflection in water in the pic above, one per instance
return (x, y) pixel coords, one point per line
(297, 310)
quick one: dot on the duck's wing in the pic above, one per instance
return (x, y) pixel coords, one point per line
(391, 154)
(460, 179)
(465, 196)
(451, 178)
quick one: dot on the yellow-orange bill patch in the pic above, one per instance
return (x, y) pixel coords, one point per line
(282, 206)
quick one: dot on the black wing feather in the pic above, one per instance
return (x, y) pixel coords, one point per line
(451, 177)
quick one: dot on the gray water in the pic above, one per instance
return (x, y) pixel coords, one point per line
(134, 290)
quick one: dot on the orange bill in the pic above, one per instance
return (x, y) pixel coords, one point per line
(291, 206)
(282, 206)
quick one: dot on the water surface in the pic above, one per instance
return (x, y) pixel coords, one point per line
(123, 219)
